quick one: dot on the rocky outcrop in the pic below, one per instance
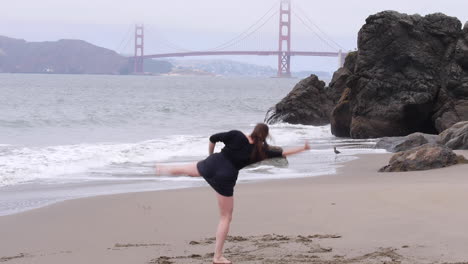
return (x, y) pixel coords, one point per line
(397, 144)
(429, 156)
(338, 83)
(339, 92)
(313, 100)
(410, 74)
(456, 137)
(452, 103)
(307, 104)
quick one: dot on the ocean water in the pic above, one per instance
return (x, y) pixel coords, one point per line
(69, 136)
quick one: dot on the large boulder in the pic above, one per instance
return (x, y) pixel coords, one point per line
(410, 75)
(306, 104)
(456, 137)
(429, 156)
(339, 93)
(340, 117)
(452, 103)
(397, 144)
(338, 83)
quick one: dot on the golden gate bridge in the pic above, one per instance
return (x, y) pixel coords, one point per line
(284, 51)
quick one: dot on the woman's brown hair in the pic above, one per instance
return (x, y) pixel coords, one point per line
(259, 136)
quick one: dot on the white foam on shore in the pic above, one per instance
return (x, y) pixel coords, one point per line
(287, 134)
(23, 164)
(56, 173)
(116, 161)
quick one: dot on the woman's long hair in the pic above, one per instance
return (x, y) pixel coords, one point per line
(259, 136)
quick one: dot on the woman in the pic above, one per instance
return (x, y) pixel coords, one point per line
(220, 170)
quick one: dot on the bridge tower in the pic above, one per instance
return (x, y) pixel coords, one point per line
(284, 55)
(139, 49)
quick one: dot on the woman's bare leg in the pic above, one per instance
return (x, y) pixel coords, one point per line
(226, 207)
(188, 169)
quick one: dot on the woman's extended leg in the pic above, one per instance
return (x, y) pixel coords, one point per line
(226, 207)
(188, 169)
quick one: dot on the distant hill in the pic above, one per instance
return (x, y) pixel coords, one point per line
(63, 56)
(66, 57)
(157, 66)
(235, 68)
(225, 67)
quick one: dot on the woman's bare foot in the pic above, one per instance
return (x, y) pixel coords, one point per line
(221, 260)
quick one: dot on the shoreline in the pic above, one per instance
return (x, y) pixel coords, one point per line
(355, 215)
(38, 195)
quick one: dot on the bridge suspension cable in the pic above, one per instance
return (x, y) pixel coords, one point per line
(125, 39)
(246, 32)
(249, 34)
(297, 7)
(165, 42)
(315, 33)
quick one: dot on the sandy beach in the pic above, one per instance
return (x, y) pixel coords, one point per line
(355, 216)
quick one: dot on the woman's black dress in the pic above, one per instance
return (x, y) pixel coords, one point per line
(220, 170)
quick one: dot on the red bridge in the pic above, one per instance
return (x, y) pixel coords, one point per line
(284, 51)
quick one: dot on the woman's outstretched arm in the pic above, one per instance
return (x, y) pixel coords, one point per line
(296, 150)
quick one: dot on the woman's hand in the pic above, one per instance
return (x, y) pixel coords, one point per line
(296, 150)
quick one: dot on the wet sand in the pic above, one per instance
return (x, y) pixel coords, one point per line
(356, 216)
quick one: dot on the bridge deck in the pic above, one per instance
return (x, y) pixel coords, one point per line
(259, 53)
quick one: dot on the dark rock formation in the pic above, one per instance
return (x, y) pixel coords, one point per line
(429, 156)
(341, 116)
(452, 103)
(338, 83)
(306, 104)
(410, 74)
(397, 144)
(339, 93)
(456, 137)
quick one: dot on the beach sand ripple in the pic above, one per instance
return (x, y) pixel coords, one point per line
(274, 248)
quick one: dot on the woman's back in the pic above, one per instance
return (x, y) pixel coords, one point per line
(238, 149)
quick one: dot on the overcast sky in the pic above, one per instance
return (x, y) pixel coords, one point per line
(203, 24)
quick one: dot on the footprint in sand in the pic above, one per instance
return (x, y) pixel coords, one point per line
(20, 255)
